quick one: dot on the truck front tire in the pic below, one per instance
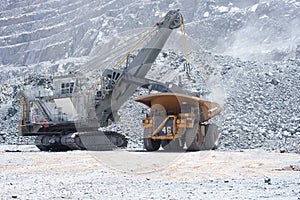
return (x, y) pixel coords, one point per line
(151, 145)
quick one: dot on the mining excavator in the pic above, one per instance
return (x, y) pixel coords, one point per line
(69, 117)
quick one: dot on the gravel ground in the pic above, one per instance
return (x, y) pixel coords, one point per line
(27, 173)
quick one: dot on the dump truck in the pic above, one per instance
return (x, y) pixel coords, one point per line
(178, 120)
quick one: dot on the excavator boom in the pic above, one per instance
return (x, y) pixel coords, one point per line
(120, 89)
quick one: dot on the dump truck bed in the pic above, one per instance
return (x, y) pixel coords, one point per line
(174, 102)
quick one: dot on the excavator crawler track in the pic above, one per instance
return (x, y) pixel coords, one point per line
(93, 141)
(98, 141)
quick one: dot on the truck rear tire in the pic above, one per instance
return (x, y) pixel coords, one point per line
(151, 145)
(211, 136)
(193, 138)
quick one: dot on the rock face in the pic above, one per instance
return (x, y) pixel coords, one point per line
(34, 32)
(252, 70)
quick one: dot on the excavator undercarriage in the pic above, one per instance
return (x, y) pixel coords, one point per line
(64, 136)
(93, 141)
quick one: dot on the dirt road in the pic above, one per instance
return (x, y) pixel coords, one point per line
(30, 174)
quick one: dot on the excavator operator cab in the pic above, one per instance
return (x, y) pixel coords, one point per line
(65, 85)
